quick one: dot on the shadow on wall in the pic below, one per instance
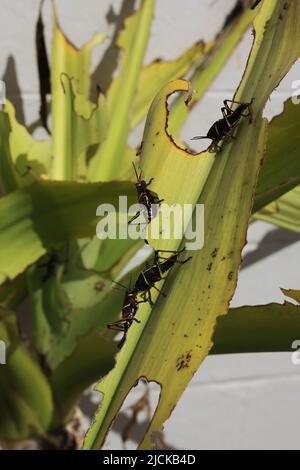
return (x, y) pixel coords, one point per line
(13, 90)
(101, 77)
(103, 74)
(272, 242)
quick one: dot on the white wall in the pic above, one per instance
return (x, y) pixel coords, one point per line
(233, 402)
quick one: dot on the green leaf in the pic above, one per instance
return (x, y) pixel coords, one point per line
(165, 326)
(26, 405)
(13, 293)
(82, 321)
(170, 344)
(284, 212)
(177, 161)
(292, 293)
(19, 151)
(258, 328)
(73, 301)
(281, 168)
(216, 54)
(86, 124)
(158, 72)
(37, 217)
(68, 61)
(133, 40)
(92, 358)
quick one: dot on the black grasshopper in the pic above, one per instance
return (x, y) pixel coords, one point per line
(129, 309)
(145, 196)
(154, 273)
(145, 281)
(223, 127)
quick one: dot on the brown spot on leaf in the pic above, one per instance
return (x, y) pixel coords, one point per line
(99, 285)
(183, 361)
(209, 266)
(230, 275)
(214, 253)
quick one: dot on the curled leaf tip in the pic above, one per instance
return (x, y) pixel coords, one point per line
(191, 91)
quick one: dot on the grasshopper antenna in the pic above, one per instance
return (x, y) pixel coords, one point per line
(119, 284)
(136, 173)
(198, 137)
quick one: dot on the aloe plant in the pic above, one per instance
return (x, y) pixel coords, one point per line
(48, 221)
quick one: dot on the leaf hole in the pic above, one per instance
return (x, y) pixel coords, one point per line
(134, 417)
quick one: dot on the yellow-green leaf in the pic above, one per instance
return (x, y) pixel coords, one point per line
(19, 151)
(26, 405)
(216, 54)
(91, 359)
(281, 167)
(284, 212)
(37, 217)
(67, 60)
(258, 328)
(87, 126)
(159, 72)
(167, 324)
(171, 342)
(292, 293)
(109, 158)
(72, 300)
